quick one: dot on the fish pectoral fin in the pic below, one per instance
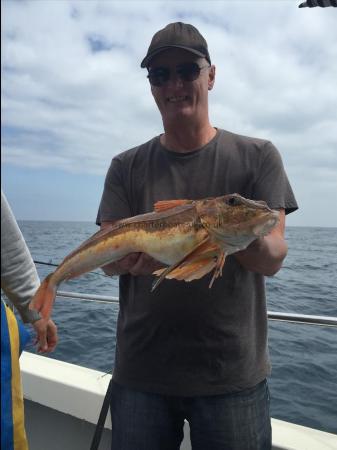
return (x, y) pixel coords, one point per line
(186, 271)
(201, 257)
(164, 205)
(200, 266)
(164, 272)
(159, 272)
(220, 261)
(194, 270)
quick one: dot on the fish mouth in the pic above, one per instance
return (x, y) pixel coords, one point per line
(265, 218)
(258, 204)
(266, 222)
(268, 218)
(252, 218)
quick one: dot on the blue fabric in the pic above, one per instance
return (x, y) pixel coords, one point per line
(24, 334)
(236, 421)
(7, 427)
(6, 391)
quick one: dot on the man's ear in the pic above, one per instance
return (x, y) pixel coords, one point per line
(211, 78)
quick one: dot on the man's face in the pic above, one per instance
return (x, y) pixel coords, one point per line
(179, 99)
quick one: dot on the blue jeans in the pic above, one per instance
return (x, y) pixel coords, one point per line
(237, 421)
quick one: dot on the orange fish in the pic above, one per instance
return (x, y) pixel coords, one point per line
(191, 237)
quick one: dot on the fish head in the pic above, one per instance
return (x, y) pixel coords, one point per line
(235, 219)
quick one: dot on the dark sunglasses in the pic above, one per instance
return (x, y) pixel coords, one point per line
(158, 76)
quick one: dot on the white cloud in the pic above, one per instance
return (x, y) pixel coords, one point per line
(67, 107)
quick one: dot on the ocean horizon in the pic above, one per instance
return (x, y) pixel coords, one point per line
(303, 383)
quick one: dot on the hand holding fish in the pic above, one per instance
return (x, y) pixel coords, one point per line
(46, 335)
(191, 237)
(134, 263)
(266, 254)
(145, 265)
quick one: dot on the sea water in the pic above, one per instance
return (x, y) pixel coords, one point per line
(303, 383)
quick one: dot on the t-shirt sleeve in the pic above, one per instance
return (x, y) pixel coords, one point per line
(272, 184)
(19, 278)
(114, 203)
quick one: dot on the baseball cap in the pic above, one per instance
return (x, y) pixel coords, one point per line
(177, 35)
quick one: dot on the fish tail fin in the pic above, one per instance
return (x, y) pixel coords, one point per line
(44, 297)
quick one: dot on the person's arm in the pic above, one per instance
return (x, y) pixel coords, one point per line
(266, 254)
(46, 335)
(134, 263)
(19, 278)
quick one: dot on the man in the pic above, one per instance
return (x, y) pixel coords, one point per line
(186, 351)
(19, 281)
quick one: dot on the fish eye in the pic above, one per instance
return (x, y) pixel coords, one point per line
(232, 201)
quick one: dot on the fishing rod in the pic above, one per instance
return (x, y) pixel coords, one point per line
(56, 265)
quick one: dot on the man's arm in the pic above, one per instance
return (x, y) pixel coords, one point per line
(265, 255)
(134, 263)
(19, 278)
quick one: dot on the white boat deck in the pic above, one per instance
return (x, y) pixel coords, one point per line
(63, 402)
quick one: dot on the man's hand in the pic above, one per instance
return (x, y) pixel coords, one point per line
(265, 255)
(46, 335)
(145, 265)
(134, 263)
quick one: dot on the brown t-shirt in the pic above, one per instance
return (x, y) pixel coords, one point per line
(184, 338)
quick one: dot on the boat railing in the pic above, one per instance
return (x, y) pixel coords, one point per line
(308, 319)
(272, 315)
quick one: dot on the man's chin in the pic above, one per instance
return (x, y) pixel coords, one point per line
(182, 111)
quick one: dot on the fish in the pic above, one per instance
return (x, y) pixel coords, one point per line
(189, 237)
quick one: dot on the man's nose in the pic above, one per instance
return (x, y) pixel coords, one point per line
(176, 80)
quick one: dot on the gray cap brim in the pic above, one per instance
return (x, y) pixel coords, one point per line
(149, 56)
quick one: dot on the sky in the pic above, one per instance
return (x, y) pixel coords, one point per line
(73, 94)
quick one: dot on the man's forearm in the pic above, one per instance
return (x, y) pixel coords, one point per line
(135, 264)
(264, 255)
